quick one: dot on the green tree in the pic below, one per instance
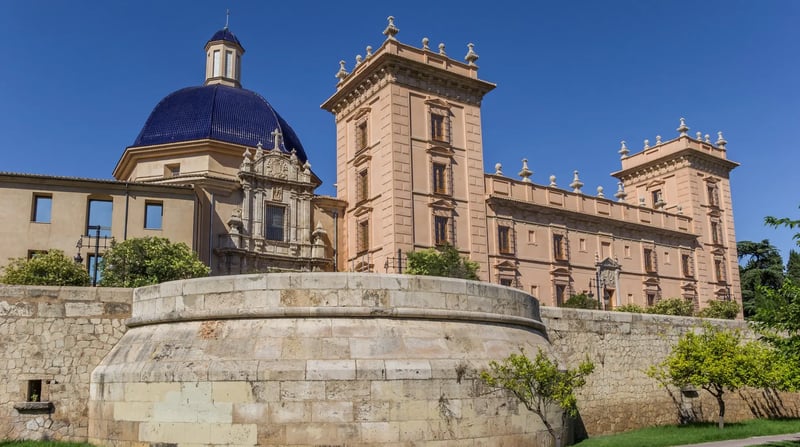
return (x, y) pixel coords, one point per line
(46, 269)
(149, 260)
(726, 310)
(717, 361)
(581, 301)
(778, 321)
(763, 266)
(672, 306)
(776, 222)
(540, 385)
(632, 308)
(793, 267)
(442, 261)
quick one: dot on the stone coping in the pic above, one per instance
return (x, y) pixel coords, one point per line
(333, 295)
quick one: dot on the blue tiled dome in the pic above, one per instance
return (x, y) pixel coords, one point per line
(217, 112)
(227, 35)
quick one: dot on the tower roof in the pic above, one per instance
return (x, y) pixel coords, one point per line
(226, 35)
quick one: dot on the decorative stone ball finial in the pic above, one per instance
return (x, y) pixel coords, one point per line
(707, 138)
(358, 60)
(620, 194)
(658, 140)
(306, 167)
(525, 173)
(369, 51)
(576, 184)
(623, 150)
(553, 181)
(721, 142)
(441, 50)
(498, 169)
(342, 73)
(600, 192)
(699, 136)
(425, 42)
(683, 128)
(471, 56)
(647, 144)
(390, 30)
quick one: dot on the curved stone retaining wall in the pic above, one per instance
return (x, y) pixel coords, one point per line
(316, 359)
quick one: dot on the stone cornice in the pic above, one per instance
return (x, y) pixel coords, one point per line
(688, 157)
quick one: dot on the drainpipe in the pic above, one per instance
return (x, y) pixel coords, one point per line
(335, 241)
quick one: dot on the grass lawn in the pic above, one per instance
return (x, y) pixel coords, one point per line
(669, 435)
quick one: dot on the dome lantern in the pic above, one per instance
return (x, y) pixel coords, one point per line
(223, 59)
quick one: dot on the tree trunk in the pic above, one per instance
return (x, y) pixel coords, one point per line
(721, 403)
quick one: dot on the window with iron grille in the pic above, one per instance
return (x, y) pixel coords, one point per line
(362, 241)
(687, 266)
(362, 135)
(440, 230)
(713, 195)
(719, 269)
(559, 247)
(439, 127)
(504, 239)
(440, 178)
(362, 186)
(274, 222)
(649, 260)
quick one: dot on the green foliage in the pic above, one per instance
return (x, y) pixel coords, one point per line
(581, 301)
(444, 261)
(784, 222)
(672, 306)
(539, 384)
(793, 267)
(778, 322)
(632, 308)
(726, 310)
(46, 269)
(763, 266)
(150, 260)
(717, 361)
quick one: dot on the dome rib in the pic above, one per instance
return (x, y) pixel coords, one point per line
(217, 112)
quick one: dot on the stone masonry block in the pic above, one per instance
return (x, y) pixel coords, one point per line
(250, 413)
(370, 370)
(133, 411)
(281, 370)
(302, 391)
(374, 432)
(250, 282)
(172, 432)
(330, 281)
(233, 434)
(408, 369)
(332, 411)
(150, 392)
(214, 284)
(330, 370)
(77, 309)
(237, 392)
(287, 412)
(50, 310)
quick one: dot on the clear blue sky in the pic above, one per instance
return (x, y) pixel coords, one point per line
(574, 78)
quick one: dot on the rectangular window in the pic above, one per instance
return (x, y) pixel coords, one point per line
(362, 241)
(172, 170)
(531, 236)
(362, 186)
(715, 234)
(649, 260)
(216, 69)
(719, 270)
(438, 128)
(99, 216)
(713, 195)
(42, 204)
(362, 135)
(651, 299)
(686, 266)
(508, 282)
(658, 198)
(561, 291)
(34, 253)
(582, 244)
(504, 239)
(559, 248)
(274, 218)
(153, 214)
(229, 64)
(34, 391)
(439, 178)
(440, 229)
(627, 250)
(605, 250)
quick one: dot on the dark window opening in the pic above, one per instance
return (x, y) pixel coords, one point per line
(34, 391)
(274, 217)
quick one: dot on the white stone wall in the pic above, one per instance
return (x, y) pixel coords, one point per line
(313, 359)
(56, 335)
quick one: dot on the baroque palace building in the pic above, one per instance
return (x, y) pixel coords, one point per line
(217, 167)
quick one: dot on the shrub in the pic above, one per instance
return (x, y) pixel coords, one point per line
(726, 310)
(53, 268)
(632, 308)
(672, 306)
(149, 260)
(444, 261)
(581, 301)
